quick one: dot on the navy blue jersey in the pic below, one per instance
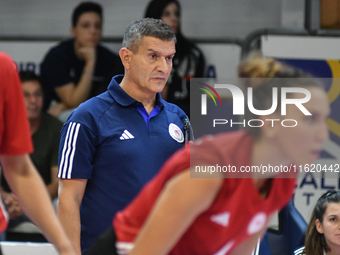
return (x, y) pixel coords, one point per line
(109, 142)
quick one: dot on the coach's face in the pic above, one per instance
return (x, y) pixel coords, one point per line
(151, 65)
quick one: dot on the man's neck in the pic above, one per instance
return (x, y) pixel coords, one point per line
(34, 124)
(147, 99)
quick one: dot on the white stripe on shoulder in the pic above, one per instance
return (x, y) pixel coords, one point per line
(66, 163)
(68, 140)
(74, 145)
(62, 161)
(299, 251)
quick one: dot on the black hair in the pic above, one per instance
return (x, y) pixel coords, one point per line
(155, 8)
(28, 76)
(86, 7)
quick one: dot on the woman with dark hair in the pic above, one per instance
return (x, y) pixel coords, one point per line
(323, 231)
(188, 61)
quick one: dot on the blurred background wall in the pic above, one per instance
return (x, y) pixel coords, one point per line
(201, 19)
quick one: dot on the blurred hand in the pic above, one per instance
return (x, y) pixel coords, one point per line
(12, 204)
(57, 109)
(87, 53)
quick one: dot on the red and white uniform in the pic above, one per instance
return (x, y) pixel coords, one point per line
(238, 211)
(15, 137)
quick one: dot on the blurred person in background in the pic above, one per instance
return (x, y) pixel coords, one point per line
(189, 60)
(79, 68)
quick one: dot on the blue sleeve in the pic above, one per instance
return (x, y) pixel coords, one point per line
(76, 151)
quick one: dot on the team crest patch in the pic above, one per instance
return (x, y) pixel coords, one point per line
(176, 133)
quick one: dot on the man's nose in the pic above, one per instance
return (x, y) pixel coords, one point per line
(162, 65)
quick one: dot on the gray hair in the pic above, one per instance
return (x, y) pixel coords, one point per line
(146, 27)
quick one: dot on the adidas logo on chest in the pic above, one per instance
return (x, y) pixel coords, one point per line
(126, 135)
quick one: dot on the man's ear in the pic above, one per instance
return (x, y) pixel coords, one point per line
(125, 55)
(318, 226)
